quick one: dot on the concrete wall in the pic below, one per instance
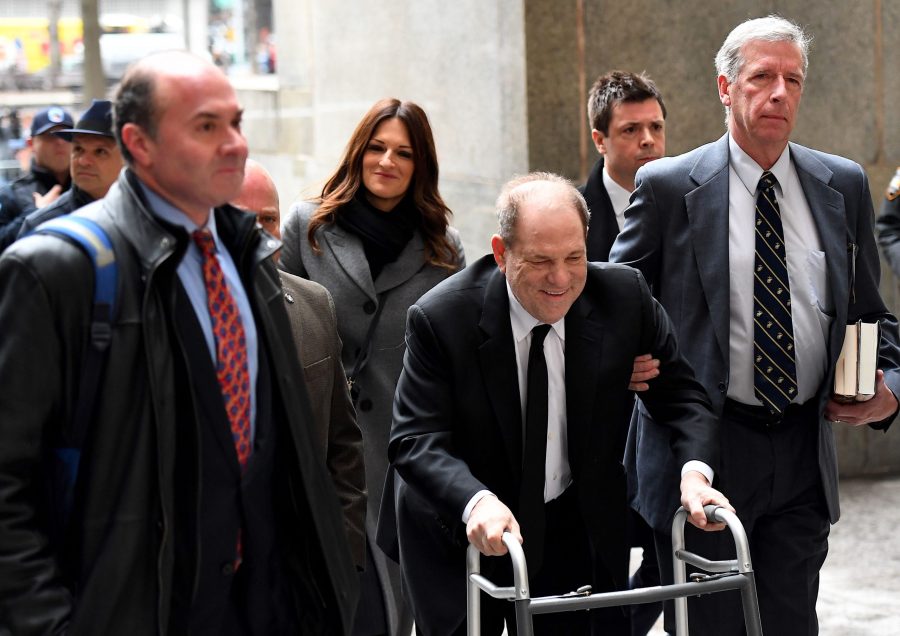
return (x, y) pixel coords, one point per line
(504, 84)
(463, 62)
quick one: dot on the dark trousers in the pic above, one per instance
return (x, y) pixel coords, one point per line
(643, 616)
(771, 476)
(568, 564)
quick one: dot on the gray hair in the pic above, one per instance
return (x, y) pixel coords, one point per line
(512, 196)
(771, 28)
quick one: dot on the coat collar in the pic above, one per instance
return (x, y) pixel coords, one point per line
(154, 240)
(347, 250)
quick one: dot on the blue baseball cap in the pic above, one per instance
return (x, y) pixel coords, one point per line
(49, 118)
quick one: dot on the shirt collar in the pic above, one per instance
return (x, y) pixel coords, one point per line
(169, 213)
(618, 196)
(523, 322)
(749, 172)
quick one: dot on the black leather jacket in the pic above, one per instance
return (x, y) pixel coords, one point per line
(17, 200)
(115, 573)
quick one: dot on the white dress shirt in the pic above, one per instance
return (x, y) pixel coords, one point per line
(811, 304)
(618, 196)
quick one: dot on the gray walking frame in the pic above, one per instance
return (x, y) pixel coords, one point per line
(733, 574)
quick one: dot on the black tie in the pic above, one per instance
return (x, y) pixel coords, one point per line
(531, 495)
(774, 371)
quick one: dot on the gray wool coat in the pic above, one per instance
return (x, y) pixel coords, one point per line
(341, 267)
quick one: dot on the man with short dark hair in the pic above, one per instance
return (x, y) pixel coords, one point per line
(200, 505)
(762, 251)
(47, 178)
(94, 165)
(628, 127)
(511, 413)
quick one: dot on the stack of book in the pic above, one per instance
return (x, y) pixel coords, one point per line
(854, 377)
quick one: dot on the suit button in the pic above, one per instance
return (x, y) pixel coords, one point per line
(365, 405)
(369, 307)
(722, 387)
(228, 569)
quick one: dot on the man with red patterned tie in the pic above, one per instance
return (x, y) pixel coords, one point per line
(200, 505)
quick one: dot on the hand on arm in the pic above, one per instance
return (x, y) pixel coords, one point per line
(696, 493)
(489, 519)
(880, 407)
(646, 367)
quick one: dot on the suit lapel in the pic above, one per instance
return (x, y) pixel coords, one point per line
(407, 265)
(497, 358)
(347, 250)
(584, 339)
(707, 211)
(829, 212)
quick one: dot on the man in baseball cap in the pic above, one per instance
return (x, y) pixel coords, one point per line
(95, 164)
(47, 178)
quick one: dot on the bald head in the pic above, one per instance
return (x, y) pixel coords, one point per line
(258, 195)
(536, 184)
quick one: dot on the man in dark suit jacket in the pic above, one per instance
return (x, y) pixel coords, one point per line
(313, 320)
(628, 127)
(702, 231)
(457, 441)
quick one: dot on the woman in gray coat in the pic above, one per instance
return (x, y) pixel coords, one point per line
(377, 238)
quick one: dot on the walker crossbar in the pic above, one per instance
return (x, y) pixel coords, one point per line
(735, 574)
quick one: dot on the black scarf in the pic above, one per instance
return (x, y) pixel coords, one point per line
(383, 234)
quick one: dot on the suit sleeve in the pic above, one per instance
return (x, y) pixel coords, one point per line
(675, 398)
(421, 448)
(888, 228)
(865, 299)
(639, 242)
(345, 454)
(32, 597)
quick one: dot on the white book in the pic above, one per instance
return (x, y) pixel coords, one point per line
(854, 376)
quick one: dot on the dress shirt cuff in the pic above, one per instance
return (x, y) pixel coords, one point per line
(701, 467)
(474, 500)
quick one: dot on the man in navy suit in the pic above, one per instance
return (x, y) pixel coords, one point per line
(694, 229)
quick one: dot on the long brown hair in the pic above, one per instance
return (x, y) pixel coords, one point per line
(343, 185)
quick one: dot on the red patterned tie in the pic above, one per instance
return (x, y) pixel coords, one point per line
(231, 347)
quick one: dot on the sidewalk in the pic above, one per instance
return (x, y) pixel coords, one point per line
(860, 587)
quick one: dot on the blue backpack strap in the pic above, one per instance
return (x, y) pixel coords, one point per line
(95, 242)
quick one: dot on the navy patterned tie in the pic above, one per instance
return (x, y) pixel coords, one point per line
(774, 370)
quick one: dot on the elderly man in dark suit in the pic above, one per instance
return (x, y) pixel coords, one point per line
(511, 414)
(761, 251)
(314, 326)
